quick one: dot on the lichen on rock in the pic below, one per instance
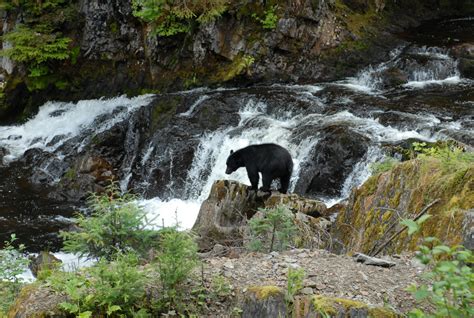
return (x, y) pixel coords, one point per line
(375, 209)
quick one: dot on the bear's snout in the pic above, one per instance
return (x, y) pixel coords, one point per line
(228, 170)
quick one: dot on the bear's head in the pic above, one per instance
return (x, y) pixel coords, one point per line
(233, 162)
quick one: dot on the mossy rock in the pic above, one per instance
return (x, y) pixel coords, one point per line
(297, 203)
(323, 306)
(375, 209)
(264, 301)
(36, 301)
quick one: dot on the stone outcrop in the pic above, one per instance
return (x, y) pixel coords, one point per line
(375, 209)
(465, 53)
(332, 159)
(118, 53)
(223, 217)
(43, 261)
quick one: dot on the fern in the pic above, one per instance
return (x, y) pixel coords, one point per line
(170, 17)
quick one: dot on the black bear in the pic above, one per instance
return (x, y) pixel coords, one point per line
(272, 161)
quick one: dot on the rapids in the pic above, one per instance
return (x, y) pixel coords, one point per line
(434, 103)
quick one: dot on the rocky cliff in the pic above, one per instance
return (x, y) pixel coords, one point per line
(112, 52)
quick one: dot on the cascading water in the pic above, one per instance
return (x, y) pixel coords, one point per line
(418, 66)
(361, 106)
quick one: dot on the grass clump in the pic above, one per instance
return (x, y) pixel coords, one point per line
(269, 19)
(382, 166)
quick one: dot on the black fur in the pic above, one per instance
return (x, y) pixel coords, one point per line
(272, 161)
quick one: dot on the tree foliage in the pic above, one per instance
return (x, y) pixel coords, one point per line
(117, 225)
(170, 17)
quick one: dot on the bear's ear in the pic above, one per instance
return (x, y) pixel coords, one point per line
(232, 151)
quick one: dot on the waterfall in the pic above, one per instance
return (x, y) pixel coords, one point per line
(293, 116)
(57, 122)
(421, 65)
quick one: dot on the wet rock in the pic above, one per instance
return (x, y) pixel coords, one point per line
(393, 77)
(465, 53)
(464, 50)
(333, 158)
(43, 261)
(466, 67)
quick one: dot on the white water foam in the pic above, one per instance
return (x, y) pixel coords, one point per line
(256, 127)
(438, 69)
(58, 122)
(193, 107)
(70, 263)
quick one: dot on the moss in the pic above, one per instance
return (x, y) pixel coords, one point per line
(380, 312)
(332, 306)
(408, 188)
(70, 174)
(163, 110)
(342, 307)
(238, 66)
(371, 185)
(264, 292)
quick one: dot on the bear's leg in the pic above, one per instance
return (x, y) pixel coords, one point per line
(267, 182)
(285, 182)
(253, 177)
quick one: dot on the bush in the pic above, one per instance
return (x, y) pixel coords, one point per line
(12, 263)
(170, 17)
(274, 231)
(451, 279)
(451, 157)
(294, 283)
(36, 47)
(117, 225)
(113, 289)
(176, 260)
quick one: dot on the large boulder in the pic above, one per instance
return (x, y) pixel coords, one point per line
(223, 216)
(374, 210)
(333, 159)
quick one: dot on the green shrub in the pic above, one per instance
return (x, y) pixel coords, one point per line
(170, 17)
(13, 262)
(450, 287)
(269, 19)
(451, 157)
(274, 231)
(114, 289)
(117, 225)
(176, 259)
(294, 283)
(31, 7)
(36, 47)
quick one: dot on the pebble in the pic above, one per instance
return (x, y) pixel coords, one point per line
(307, 291)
